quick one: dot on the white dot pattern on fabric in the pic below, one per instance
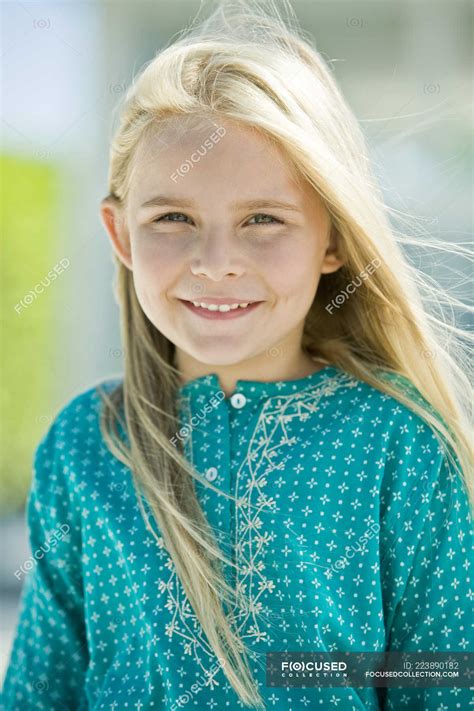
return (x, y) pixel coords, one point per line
(350, 530)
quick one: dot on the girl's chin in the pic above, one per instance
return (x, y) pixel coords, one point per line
(217, 359)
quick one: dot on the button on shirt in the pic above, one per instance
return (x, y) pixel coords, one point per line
(238, 400)
(211, 473)
(350, 531)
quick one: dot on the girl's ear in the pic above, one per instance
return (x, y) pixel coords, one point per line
(113, 218)
(332, 261)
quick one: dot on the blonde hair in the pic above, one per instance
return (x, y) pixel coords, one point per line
(249, 64)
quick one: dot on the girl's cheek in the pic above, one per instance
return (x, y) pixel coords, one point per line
(158, 256)
(293, 257)
(155, 264)
(162, 245)
(151, 293)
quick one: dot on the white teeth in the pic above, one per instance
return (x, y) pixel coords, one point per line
(220, 307)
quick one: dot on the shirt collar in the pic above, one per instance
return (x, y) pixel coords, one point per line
(208, 384)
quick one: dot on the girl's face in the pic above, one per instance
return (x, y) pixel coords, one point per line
(215, 216)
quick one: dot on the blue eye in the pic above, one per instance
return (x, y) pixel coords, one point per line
(263, 214)
(171, 214)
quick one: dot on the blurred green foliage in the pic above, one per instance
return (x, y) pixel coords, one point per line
(29, 229)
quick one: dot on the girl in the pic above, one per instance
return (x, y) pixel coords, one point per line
(285, 463)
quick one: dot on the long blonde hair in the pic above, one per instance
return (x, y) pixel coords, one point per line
(250, 64)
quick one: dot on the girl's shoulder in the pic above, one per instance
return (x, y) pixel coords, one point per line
(398, 440)
(411, 466)
(71, 455)
(75, 428)
(370, 407)
(83, 409)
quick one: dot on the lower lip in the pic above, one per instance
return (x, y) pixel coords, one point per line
(221, 315)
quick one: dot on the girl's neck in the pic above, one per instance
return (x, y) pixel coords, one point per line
(269, 367)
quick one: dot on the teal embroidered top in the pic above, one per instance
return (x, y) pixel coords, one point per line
(351, 531)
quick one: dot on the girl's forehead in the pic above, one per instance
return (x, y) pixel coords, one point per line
(218, 149)
(191, 130)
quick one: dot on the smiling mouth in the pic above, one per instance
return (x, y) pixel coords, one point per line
(222, 307)
(233, 309)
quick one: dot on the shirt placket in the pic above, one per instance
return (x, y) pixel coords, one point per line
(242, 411)
(207, 448)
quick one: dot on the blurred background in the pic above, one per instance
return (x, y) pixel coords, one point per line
(405, 69)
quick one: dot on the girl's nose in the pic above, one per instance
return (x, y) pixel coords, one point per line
(217, 255)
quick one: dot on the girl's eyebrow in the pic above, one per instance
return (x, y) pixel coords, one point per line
(259, 203)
